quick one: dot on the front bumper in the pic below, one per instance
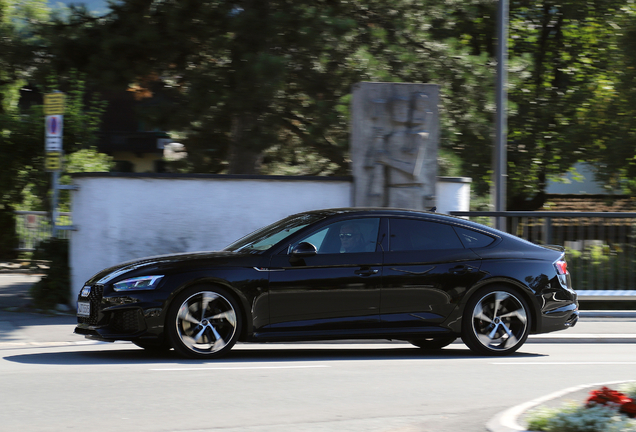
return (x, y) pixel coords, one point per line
(114, 318)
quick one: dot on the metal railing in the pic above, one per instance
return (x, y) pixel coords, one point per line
(34, 226)
(600, 246)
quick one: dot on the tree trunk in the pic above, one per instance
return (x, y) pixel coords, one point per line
(243, 157)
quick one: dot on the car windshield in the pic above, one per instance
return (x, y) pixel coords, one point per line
(266, 237)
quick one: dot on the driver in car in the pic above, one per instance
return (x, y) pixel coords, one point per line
(351, 239)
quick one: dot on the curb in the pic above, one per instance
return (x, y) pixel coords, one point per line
(508, 420)
(607, 314)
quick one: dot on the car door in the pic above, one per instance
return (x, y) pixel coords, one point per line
(335, 289)
(426, 271)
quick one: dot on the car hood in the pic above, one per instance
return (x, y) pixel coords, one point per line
(163, 262)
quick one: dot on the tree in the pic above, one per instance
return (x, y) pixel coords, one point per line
(16, 59)
(263, 86)
(243, 81)
(560, 57)
(608, 119)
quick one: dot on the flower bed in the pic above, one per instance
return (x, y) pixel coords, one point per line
(605, 410)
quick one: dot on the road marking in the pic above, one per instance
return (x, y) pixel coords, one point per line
(568, 363)
(239, 368)
(582, 336)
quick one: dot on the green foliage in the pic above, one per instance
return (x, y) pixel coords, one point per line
(18, 46)
(23, 182)
(448, 164)
(578, 418)
(264, 86)
(629, 389)
(54, 287)
(8, 235)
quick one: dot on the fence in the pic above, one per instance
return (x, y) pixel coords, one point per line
(34, 226)
(600, 246)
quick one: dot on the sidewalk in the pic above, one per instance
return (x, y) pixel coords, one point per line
(20, 325)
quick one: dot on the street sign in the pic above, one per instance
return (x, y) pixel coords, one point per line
(53, 145)
(54, 125)
(53, 161)
(54, 103)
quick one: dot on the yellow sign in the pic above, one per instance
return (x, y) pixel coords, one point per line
(54, 103)
(53, 161)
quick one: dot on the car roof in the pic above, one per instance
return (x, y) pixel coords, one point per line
(388, 212)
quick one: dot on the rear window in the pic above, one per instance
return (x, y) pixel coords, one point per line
(473, 239)
(419, 235)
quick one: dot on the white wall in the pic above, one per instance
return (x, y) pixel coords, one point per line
(123, 217)
(453, 194)
(120, 217)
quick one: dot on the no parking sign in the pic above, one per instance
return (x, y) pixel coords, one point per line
(54, 133)
(54, 121)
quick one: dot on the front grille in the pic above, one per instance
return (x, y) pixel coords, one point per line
(95, 298)
(125, 321)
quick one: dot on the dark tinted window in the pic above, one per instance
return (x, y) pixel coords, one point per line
(351, 236)
(412, 235)
(473, 239)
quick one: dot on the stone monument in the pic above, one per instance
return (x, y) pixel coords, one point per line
(394, 140)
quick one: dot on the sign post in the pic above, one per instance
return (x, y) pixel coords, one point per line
(54, 121)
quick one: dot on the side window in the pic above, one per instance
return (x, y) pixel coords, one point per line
(473, 239)
(351, 236)
(419, 235)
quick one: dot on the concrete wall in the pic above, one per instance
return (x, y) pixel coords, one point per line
(126, 216)
(120, 217)
(453, 194)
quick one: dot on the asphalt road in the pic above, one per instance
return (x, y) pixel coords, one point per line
(52, 380)
(300, 387)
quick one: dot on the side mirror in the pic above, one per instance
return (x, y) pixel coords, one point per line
(303, 250)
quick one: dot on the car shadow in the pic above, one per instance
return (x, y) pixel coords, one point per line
(250, 354)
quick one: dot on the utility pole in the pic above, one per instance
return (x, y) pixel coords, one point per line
(500, 157)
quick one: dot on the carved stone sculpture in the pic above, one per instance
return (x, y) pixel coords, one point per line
(394, 140)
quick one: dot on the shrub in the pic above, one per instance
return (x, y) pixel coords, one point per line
(605, 410)
(54, 287)
(8, 236)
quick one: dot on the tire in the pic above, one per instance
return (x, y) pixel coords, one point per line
(433, 343)
(203, 322)
(496, 321)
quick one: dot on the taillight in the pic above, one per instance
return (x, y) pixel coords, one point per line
(561, 267)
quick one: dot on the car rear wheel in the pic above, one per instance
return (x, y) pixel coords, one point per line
(204, 322)
(496, 321)
(433, 343)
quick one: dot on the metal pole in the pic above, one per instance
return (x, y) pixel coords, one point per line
(500, 159)
(55, 178)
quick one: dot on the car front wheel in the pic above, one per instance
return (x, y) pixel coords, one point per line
(496, 321)
(204, 322)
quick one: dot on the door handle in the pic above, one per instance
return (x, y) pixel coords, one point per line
(461, 269)
(366, 272)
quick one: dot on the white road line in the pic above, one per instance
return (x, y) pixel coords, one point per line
(582, 336)
(239, 368)
(568, 363)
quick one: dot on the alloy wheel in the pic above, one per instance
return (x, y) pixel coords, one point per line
(206, 324)
(499, 323)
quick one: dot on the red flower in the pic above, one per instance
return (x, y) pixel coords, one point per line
(629, 408)
(605, 396)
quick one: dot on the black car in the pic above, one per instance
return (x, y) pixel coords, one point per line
(333, 274)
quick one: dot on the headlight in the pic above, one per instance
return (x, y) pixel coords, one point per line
(138, 283)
